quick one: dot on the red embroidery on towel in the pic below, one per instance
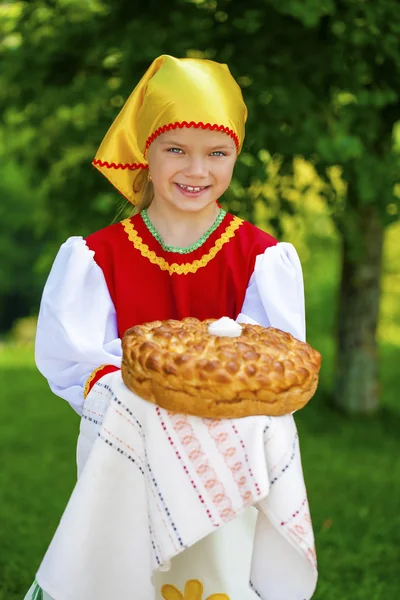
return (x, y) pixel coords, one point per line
(204, 470)
(177, 453)
(229, 453)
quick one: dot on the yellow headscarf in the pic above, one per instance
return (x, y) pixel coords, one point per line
(172, 93)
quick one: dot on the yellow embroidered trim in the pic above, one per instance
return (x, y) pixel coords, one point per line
(90, 379)
(185, 268)
(193, 591)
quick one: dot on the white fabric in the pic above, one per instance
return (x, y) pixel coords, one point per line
(77, 328)
(275, 294)
(152, 484)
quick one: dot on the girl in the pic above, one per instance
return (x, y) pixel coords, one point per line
(171, 152)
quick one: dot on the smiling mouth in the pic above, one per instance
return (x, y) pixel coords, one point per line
(191, 188)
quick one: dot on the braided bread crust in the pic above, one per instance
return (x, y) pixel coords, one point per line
(179, 366)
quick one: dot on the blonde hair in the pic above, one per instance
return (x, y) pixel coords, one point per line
(145, 196)
(144, 190)
(145, 199)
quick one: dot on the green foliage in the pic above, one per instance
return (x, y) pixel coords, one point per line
(320, 79)
(20, 284)
(23, 332)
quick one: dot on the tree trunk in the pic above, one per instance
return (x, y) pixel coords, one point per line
(356, 388)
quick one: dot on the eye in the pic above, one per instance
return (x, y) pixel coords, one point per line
(218, 153)
(175, 150)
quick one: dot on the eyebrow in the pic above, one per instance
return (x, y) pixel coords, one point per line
(219, 147)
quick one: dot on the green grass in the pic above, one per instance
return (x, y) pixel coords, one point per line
(38, 435)
(352, 473)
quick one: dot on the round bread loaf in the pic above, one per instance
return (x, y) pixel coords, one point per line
(181, 367)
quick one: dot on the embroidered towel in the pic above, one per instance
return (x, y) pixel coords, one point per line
(154, 486)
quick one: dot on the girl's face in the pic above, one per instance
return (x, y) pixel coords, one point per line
(191, 168)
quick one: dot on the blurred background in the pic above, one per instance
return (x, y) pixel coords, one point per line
(320, 168)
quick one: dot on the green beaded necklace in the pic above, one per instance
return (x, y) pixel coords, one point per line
(189, 249)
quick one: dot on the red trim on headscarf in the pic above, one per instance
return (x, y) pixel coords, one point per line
(131, 167)
(182, 124)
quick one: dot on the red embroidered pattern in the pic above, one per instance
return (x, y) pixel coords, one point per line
(298, 526)
(158, 411)
(113, 165)
(301, 535)
(312, 556)
(217, 430)
(297, 512)
(203, 468)
(182, 124)
(247, 461)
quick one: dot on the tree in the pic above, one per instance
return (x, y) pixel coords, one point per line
(20, 284)
(333, 80)
(319, 78)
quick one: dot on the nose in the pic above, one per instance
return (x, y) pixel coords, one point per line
(196, 167)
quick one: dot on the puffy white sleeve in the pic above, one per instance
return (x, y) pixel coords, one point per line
(77, 326)
(275, 294)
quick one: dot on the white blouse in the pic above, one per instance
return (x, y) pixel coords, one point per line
(77, 326)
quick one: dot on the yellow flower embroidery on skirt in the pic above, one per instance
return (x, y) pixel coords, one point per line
(193, 591)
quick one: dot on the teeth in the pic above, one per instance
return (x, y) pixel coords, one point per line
(190, 188)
